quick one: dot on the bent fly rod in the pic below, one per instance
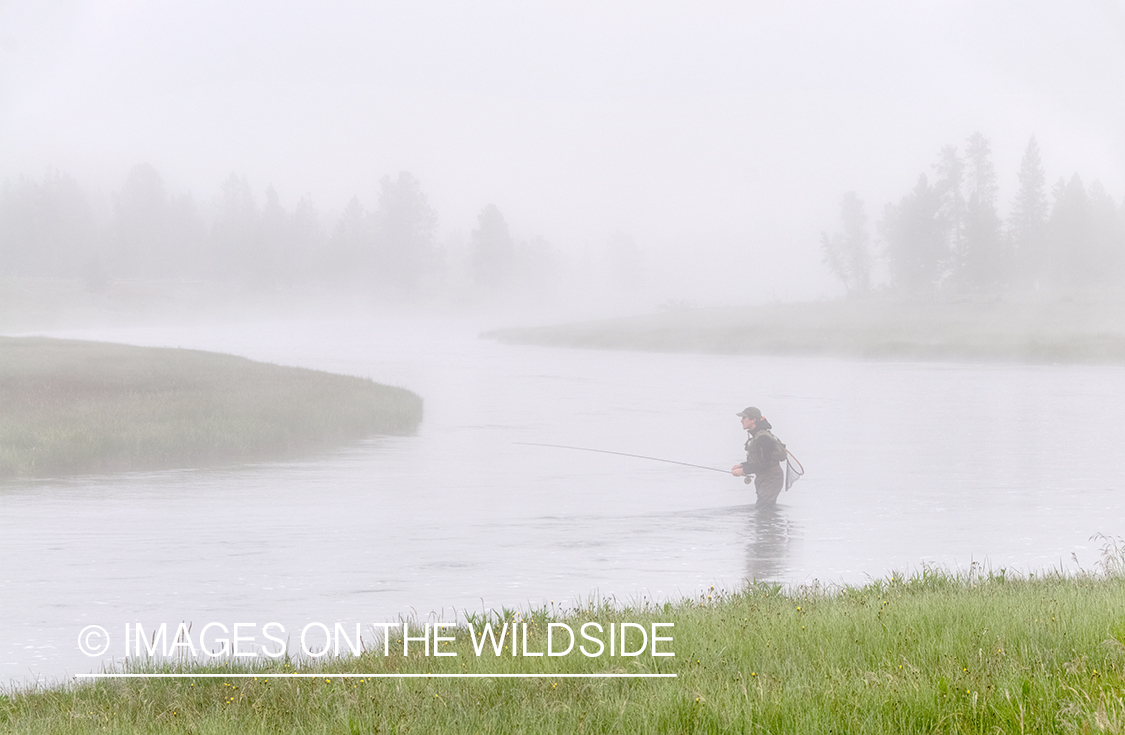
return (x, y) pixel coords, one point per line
(623, 454)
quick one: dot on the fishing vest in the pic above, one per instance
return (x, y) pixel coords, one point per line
(777, 450)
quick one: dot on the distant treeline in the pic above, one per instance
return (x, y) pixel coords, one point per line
(49, 229)
(948, 236)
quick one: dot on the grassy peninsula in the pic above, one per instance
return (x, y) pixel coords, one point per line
(1043, 330)
(78, 407)
(932, 653)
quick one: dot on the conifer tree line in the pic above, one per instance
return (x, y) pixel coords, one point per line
(49, 229)
(948, 235)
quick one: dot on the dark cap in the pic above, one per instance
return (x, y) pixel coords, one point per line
(750, 413)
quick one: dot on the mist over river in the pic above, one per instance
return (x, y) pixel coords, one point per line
(1010, 465)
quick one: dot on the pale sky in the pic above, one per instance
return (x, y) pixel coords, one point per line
(720, 136)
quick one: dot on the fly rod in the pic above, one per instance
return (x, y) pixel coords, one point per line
(623, 454)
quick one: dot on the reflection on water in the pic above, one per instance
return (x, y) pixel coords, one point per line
(768, 548)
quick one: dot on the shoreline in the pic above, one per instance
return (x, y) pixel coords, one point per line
(76, 407)
(1013, 331)
(977, 650)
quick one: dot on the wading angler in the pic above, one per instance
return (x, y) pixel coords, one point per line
(764, 455)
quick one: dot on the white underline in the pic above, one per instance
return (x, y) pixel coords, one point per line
(375, 676)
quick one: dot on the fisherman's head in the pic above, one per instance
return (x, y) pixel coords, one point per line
(751, 417)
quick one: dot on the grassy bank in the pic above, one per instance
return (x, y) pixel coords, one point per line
(931, 653)
(77, 407)
(1040, 331)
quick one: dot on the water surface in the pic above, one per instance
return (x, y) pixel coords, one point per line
(907, 464)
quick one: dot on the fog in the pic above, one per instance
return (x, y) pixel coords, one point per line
(367, 188)
(714, 142)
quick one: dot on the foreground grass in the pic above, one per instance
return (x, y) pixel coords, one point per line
(1041, 331)
(75, 407)
(932, 653)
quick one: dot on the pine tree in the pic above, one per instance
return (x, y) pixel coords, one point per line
(405, 229)
(139, 231)
(46, 228)
(152, 234)
(235, 231)
(1084, 237)
(846, 253)
(981, 263)
(1107, 238)
(1069, 260)
(949, 185)
(916, 236)
(350, 254)
(493, 250)
(1028, 220)
(272, 255)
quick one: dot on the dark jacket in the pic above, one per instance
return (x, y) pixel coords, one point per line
(764, 454)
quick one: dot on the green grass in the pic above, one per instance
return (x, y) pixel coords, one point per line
(930, 653)
(80, 407)
(1038, 331)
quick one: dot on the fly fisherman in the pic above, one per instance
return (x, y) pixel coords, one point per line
(764, 454)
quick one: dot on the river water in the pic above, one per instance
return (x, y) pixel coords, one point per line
(908, 464)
